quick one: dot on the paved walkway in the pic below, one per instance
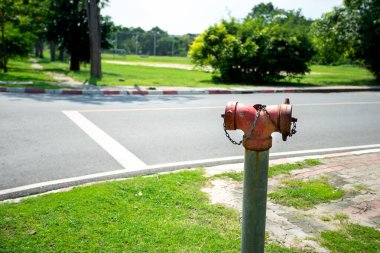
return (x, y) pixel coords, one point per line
(358, 175)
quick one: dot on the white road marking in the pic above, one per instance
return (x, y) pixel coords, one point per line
(128, 160)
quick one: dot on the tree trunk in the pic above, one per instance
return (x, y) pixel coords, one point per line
(52, 51)
(39, 49)
(93, 15)
(74, 60)
(61, 56)
(4, 49)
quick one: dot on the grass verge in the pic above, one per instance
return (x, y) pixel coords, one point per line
(20, 70)
(126, 75)
(305, 194)
(273, 170)
(162, 213)
(352, 238)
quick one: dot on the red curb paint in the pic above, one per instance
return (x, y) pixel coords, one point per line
(111, 92)
(3, 89)
(268, 91)
(170, 92)
(140, 92)
(34, 91)
(72, 92)
(219, 92)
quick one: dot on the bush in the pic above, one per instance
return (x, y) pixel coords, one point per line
(252, 51)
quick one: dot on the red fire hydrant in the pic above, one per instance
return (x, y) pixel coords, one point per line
(258, 122)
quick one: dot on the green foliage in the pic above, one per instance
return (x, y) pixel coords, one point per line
(305, 194)
(255, 50)
(350, 32)
(16, 30)
(334, 36)
(352, 238)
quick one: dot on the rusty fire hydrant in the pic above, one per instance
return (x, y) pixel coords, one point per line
(258, 122)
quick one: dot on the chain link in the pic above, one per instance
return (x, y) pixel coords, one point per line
(229, 137)
(293, 131)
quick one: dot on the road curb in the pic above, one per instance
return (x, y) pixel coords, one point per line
(64, 184)
(139, 92)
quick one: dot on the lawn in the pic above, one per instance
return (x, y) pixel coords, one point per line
(339, 75)
(20, 70)
(127, 75)
(161, 213)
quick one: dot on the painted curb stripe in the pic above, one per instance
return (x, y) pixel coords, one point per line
(72, 92)
(170, 92)
(34, 91)
(212, 92)
(111, 92)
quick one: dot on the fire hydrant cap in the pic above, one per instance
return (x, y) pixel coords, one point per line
(229, 115)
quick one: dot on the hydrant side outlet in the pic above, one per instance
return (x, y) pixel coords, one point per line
(258, 122)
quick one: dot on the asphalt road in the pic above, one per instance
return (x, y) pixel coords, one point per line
(39, 141)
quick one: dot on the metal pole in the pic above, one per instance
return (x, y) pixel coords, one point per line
(254, 200)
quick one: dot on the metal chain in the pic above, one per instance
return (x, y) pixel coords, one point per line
(229, 137)
(260, 107)
(293, 131)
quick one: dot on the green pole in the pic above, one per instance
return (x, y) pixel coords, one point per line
(254, 200)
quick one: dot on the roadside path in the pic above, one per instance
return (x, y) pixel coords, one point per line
(63, 80)
(358, 175)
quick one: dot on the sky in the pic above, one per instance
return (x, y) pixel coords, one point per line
(179, 17)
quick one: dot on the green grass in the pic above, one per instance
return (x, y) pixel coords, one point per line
(273, 170)
(21, 70)
(305, 194)
(126, 75)
(161, 213)
(352, 238)
(339, 75)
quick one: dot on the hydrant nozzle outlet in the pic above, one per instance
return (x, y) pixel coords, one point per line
(258, 122)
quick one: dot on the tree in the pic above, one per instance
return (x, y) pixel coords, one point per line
(350, 32)
(334, 36)
(252, 51)
(15, 29)
(93, 15)
(366, 15)
(67, 26)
